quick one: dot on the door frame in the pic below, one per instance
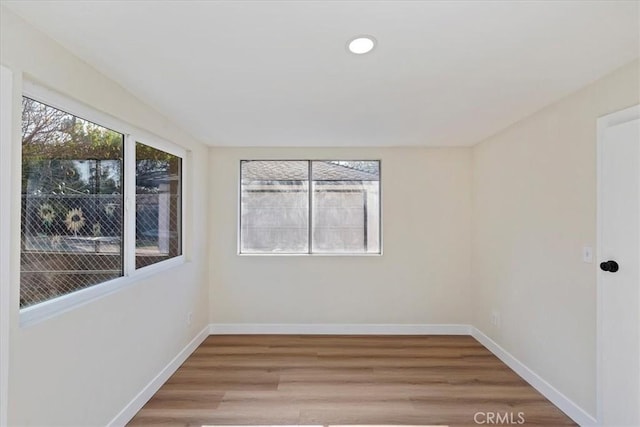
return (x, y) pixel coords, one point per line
(6, 132)
(603, 123)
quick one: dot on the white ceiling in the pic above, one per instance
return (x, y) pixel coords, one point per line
(277, 73)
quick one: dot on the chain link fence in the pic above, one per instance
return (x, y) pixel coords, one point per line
(71, 242)
(157, 228)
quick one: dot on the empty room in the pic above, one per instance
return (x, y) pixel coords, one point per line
(319, 213)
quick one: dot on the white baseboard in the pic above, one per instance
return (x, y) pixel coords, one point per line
(336, 329)
(575, 412)
(154, 385)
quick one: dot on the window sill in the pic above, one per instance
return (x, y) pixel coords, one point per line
(35, 314)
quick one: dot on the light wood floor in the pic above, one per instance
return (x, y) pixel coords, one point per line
(292, 380)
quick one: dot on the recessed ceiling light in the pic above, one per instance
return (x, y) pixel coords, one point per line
(361, 45)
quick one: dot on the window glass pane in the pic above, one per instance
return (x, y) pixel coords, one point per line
(346, 206)
(71, 230)
(158, 205)
(274, 207)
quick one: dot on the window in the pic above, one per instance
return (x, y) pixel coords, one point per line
(157, 205)
(74, 222)
(305, 207)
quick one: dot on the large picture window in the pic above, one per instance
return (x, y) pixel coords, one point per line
(297, 207)
(74, 221)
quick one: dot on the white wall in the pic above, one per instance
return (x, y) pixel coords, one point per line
(534, 208)
(83, 366)
(6, 118)
(422, 277)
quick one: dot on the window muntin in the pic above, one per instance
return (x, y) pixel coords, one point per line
(340, 215)
(158, 205)
(72, 203)
(94, 167)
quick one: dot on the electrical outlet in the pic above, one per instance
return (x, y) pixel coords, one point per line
(189, 318)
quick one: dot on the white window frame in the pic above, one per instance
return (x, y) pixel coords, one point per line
(132, 135)
(310, 254)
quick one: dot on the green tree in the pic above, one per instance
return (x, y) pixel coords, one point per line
(55, 143)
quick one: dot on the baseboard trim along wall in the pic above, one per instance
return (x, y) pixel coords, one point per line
(154, 385)
(336, 329)
(575, 412)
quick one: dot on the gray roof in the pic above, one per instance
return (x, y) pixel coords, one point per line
(293, 170)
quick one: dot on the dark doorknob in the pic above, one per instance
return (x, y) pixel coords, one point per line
(610, 266)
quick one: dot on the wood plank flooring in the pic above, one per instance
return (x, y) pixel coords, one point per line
(338, 380)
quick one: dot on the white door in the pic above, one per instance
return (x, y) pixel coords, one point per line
(619, 269)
